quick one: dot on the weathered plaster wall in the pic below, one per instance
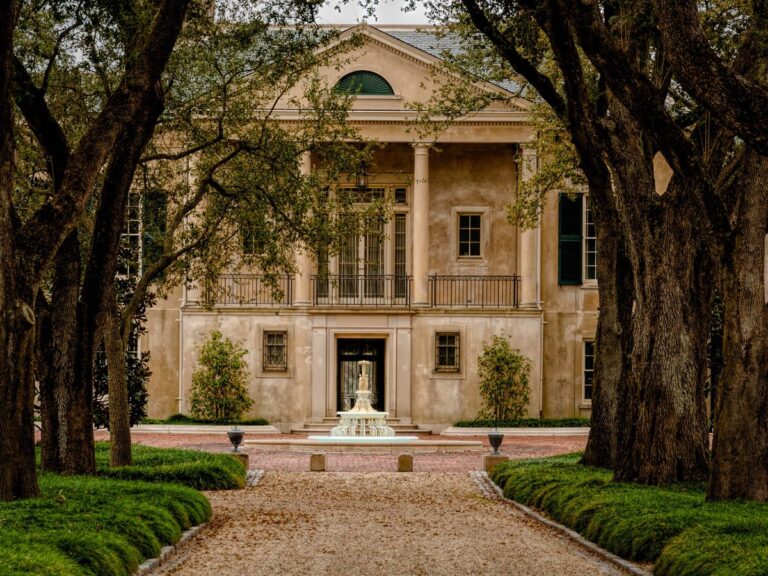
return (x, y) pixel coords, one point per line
(570, 315)
(444, 398)
(162, 340)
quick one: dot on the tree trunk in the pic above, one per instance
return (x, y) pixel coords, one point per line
(50, 456)
(740, 450)
(662, 414)
(613, 336)
(18, 475)
(71, 435)
(99, 298)
(119, 409)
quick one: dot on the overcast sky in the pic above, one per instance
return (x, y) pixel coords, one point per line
(388, 12)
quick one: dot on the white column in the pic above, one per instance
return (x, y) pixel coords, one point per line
(530, 295)
(420, 244)
(302, 282)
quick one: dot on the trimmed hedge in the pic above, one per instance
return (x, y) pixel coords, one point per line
(527, 423)
(199, 470)
(184, 419)
(90, 526)
(673, 527)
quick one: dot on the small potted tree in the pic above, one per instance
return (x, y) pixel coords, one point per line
(504, 388)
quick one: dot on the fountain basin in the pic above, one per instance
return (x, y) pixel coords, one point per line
(382, 440)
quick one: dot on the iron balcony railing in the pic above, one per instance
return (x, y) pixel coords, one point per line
(250, 290)
(369, 290)
(474, 291)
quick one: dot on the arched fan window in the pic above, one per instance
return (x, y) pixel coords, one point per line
(364, 82)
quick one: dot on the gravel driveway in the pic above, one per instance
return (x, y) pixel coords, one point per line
(375, 523)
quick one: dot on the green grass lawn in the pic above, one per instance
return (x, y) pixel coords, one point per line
(527, 423)
(672, 527)
(94, 526)
(108, 524)
(200, 470)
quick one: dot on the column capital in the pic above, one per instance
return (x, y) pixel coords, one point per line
(421, 147)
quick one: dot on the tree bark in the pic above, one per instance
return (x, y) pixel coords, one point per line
(119, 409)
(613, 335)
(18, 476)
(67, 403)
(662, 425)
(740, 448)
(99, 297)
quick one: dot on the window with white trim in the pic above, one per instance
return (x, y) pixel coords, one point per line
(590, 244)
(589, 369)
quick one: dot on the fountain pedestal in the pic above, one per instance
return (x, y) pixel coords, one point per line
(362, 420)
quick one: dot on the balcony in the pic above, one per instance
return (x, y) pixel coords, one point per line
(370, 290)
(474, 291)
(367, 291)
(250, 290)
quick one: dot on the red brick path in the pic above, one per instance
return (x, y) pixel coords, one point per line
(514, 447)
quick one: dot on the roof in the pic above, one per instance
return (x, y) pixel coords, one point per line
(435, 44)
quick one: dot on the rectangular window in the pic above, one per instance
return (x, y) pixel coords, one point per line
(401, 280)
(570, 240)
(275, 351)
(469, 235)
(401, 197)
(589, 368)
(590, 244)
(447, 352)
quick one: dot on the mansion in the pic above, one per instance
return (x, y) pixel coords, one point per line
(420, 300)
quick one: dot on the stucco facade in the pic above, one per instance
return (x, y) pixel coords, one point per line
(433, 289)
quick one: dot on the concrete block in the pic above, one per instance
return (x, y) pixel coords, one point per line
(317, 462)
(405, 463)
(490, 461)
(241, 457)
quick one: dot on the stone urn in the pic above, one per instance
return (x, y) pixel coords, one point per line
(236, 437)
(495, 438)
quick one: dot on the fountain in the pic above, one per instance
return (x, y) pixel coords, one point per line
(363, 424)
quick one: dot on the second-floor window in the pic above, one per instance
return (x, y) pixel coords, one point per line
(470, 235)
(577, 241)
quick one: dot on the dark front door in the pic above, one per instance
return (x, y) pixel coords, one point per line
(350, 352)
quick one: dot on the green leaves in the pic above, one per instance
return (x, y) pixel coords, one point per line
(219, 384)
(504, 374)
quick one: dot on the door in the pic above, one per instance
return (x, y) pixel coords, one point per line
(350, 352)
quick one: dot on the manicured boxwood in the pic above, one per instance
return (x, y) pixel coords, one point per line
(200, 470)
(94, 526)
(183, 419)
(527, 423)
(673, 527)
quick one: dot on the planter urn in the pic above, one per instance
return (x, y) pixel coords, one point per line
(236, 437)
(495, 438)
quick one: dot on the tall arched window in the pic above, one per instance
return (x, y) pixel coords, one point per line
(364, 82)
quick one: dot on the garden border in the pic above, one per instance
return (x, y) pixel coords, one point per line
(492, 491)
(147, 567)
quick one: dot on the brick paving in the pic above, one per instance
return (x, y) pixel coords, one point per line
(283, 460)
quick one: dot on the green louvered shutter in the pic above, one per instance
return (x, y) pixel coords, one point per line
(570, 239)
(364, 82)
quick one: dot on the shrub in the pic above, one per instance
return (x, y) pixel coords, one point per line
(527, 423)
(504, 373)
(199, 470)
(81, 526)
(184, 419)
(673, 527)
(219, 383)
